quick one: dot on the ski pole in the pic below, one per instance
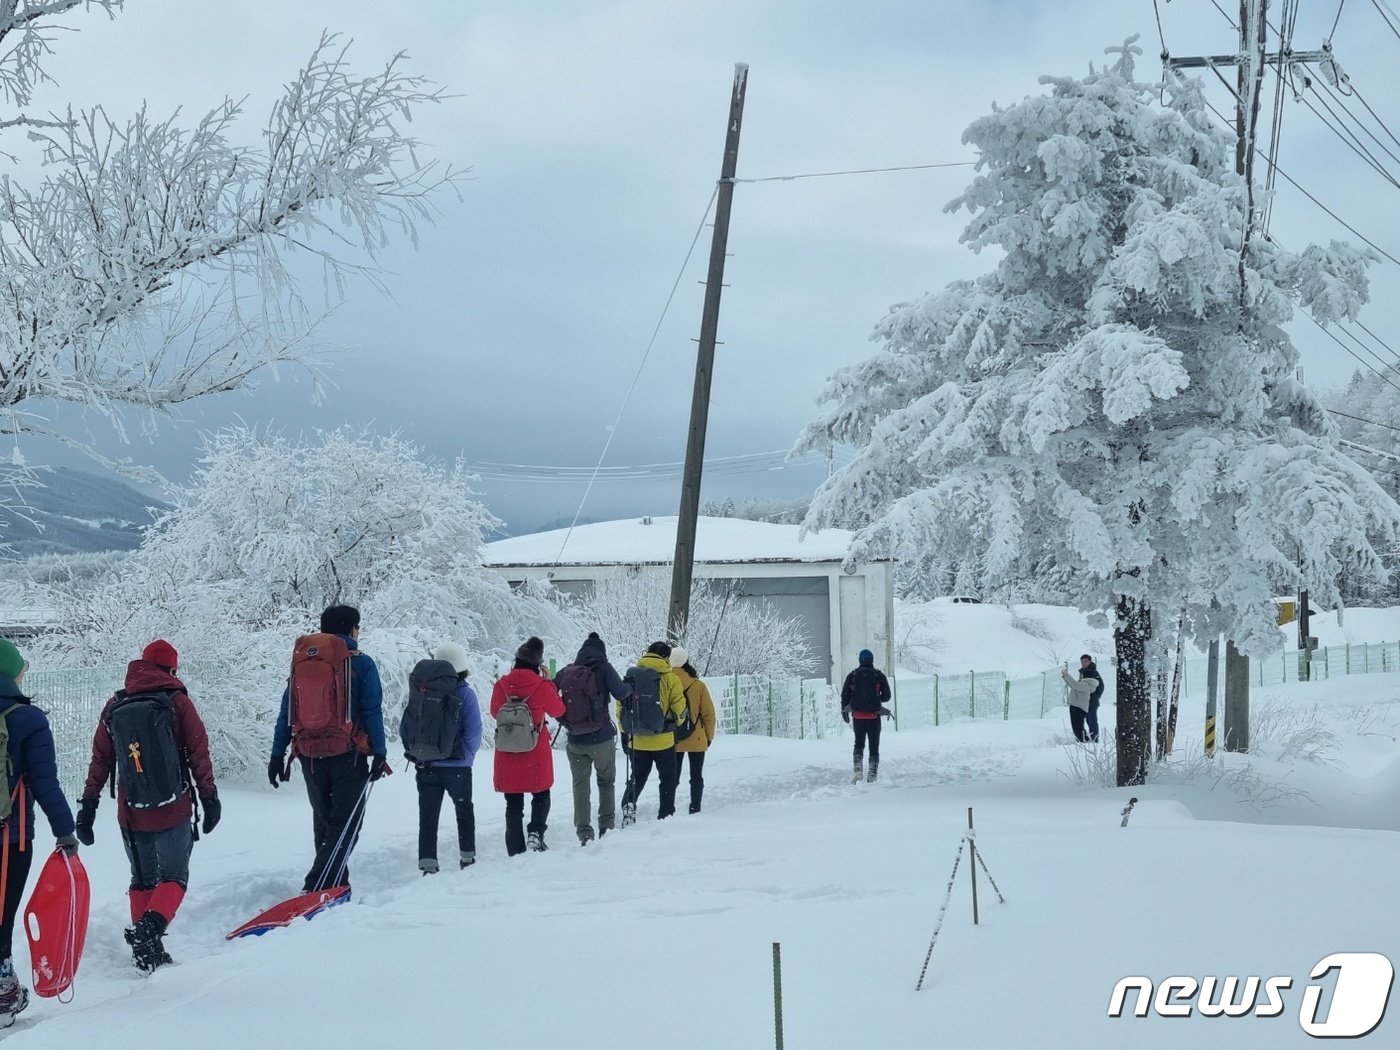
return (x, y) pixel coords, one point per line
(1128, 812)
(943, 911)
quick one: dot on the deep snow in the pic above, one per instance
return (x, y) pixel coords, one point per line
(661, 935)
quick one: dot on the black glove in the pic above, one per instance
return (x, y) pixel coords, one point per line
(213, 810)
(886, 711)
(274, 771)
(378, 768)
(846, 715)
(87, 813)
(69, 844)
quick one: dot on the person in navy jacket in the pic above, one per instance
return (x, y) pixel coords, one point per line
(33, 775)
(335, 785)
(450, 776)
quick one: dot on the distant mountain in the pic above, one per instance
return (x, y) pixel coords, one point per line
(507, 532)
(75, 513)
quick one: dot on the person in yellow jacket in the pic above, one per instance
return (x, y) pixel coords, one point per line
(656, 705)
(702, 717)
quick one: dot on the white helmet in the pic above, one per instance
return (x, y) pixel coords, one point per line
(453, 654)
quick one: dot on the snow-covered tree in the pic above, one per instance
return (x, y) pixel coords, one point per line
(269, 533)
(1117, 395)
(727, 633)
(148, 265)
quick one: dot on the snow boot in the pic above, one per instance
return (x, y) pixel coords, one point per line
(585, 835)
(14, 997)
(859, 773)
(535, 841)
(874, 768)
(147, 951)
(467, 860)
(629, 814)
(428, 865)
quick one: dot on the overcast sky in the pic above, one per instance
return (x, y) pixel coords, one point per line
(594, 131)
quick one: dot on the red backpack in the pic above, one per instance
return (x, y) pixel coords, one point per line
(318, 698)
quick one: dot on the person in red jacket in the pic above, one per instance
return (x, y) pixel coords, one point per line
(164, 756)
(532, 771)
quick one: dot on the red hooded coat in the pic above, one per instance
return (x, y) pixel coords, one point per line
(529, 771)
(143, 676)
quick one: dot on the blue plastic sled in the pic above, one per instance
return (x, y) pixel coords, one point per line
(302, 906)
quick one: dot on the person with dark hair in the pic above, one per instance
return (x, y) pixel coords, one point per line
(585, 686)
(863, 697)
(337, 763)
(524, 761)
(152, 737)
(32, 773)
(1084, 694)
(702, 718)
(649, 716)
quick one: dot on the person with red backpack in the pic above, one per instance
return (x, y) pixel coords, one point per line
(151, 739)
(585, 686)
(332, 717)
(520, 701)
(32, 773)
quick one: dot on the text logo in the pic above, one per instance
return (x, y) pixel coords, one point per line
(1360, 993)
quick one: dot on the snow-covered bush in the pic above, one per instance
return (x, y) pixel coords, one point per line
(727, 633)
(269, 533)
(1117, 397)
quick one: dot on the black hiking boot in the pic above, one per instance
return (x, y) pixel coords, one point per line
(147, 951)
(534, 842)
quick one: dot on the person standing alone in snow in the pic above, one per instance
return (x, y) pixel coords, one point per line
(449, 769)
(1084, 694)
(150, 735)
(524, 762)
(863, 697)
(32, 773)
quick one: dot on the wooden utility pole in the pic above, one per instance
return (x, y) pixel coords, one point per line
(684, 566)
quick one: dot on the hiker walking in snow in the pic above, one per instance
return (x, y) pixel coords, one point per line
(441, 734)
(1084, 694)
(585, 686)
(332, 717)
(649, 717)
(151, 738)
(694, 735)
(524, 763)
(32, 773)
(863, 697)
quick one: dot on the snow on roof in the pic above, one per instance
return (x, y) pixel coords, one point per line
(632, 542)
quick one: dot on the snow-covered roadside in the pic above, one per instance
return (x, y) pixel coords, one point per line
(662, 933)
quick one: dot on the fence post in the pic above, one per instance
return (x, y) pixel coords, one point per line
(1383, 660)
(736, 703)
(1348, 658)
(935, 699)
(1326, 662)
(770, 705)
(894, 701)
(972, 696)
(801, 710)
(1366, 657)
(1006, 700)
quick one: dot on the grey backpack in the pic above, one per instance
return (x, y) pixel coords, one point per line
(516, 729)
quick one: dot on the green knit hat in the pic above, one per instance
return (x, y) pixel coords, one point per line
(11, 659)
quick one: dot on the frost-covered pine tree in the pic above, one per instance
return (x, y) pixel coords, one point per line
(1117, 394)
(147, 264)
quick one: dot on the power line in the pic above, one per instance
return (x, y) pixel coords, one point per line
(1337, 19)
(859, 171)
(1364, 363)
(1386, 18)
(1368, 422)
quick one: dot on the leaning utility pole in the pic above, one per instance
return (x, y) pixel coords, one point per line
(704, 365)
(1251, 60)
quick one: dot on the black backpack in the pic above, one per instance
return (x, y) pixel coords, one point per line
(641, 712)
(688, 723)
(431, 727)
(585, 706)
(149, 764)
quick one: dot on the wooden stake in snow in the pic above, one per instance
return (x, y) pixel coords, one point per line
(972, 867)
(967, 841)
(778, 995)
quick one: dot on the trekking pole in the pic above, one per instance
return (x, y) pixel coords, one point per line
(559, 728)
(1128, 812)
(943, 911)
(353, 822)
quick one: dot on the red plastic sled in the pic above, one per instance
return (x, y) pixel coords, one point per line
(302, 906)
(56, 923)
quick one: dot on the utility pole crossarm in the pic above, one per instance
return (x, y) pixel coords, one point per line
(1271, 59)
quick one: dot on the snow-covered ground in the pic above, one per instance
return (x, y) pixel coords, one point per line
(661, 935)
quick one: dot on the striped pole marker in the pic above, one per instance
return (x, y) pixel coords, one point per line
(1210, 736)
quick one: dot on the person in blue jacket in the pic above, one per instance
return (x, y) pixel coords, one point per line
(335, 786)
(450, 776)
(33, 774)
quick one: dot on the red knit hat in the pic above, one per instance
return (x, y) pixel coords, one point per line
(162, 654)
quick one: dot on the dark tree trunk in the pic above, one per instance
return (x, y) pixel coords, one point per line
(1133, 733)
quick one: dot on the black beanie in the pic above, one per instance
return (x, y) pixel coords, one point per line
(660, 649)
(532, 652)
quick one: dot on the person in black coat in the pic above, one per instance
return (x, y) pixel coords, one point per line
(863, 698)
(33, 775)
